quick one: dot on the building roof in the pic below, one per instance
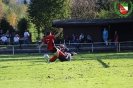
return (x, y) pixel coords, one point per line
(79, 22)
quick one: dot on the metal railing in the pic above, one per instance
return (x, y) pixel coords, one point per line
(126, 45)
(92, 47)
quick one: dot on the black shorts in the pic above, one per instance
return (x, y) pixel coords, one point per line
(62, 58)
(54, 50)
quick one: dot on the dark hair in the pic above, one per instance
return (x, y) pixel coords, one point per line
(47, 33)
(59, 47)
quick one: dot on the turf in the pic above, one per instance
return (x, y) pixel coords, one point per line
(86, 70)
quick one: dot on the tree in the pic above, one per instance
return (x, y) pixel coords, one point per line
(6, 26)
(83, 9)
(1, 13)
(13, 12)
(42, 12)
(12, 19)
(22, 26)
(25, 2)
(103, 5)
(106, 9)
(86, 9)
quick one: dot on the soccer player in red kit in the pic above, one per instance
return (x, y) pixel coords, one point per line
(49, 40)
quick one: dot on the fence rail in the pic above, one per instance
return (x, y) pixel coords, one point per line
(92, 47)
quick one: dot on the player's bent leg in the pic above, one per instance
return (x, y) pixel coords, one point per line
(62, 56)
(57, 53)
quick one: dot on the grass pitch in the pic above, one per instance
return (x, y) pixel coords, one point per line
(93, 70)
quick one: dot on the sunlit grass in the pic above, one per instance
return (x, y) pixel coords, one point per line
(97, 70)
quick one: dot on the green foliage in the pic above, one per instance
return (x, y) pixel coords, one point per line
(91, 9)
(33, 32)
(103, 14)
(107, 9)
(88, 15)
(1, 12)
(22, 26)
(42, 12)
(26, 24)
(13, 12)
(14, 7)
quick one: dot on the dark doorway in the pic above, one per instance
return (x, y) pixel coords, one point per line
(124, 31)
(93, 31)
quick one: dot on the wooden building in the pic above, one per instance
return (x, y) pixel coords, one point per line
(94, 27)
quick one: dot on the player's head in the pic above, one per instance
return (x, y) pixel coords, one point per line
(48, 33)
(115, 32)
(62, 45)
(59, 47)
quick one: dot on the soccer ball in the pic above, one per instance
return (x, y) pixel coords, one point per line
(46, 56)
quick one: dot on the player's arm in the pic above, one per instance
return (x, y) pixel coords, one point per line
(40, 45)
(60, 30)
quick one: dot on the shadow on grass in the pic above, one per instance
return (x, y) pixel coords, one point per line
(5, 66)
(21, 59)
(103, 64)
(19, 56)
(94, 56)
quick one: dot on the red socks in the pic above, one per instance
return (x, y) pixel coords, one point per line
(53, 58)
(62, 54)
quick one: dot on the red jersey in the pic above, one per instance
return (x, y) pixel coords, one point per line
(49, 40)
(116, 40)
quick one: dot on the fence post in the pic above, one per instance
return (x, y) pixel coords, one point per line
(69, 42)
(39, 50)
(92, 47)
(64, 42)
(13, 49)
(119, 47)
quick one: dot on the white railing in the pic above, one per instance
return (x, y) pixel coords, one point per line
(118, 44)
(91, 46)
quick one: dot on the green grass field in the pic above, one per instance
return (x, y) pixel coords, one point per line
(97, 70)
